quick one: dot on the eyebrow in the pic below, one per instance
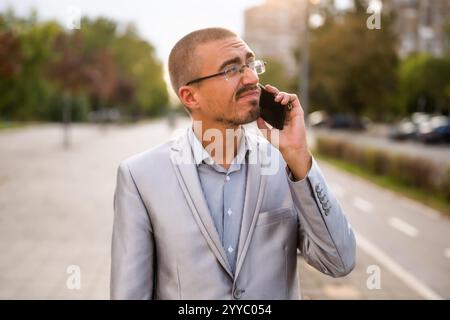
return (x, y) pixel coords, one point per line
(236, 60)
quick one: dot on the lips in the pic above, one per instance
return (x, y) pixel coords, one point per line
(250, 94)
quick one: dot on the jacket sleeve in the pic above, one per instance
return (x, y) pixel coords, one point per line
(132, 252)
(325, 238)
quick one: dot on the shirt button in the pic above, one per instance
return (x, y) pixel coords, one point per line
(229, 212)
(227, 178)
(230, 249)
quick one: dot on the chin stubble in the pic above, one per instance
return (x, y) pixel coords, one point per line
(253, 114)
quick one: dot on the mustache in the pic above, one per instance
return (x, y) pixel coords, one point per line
(243, 90)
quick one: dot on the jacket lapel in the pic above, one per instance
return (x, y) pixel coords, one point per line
(256, 183)
(186, 172)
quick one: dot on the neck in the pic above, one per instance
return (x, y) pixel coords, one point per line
(219, 140)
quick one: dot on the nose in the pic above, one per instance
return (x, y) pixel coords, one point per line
(249, 76)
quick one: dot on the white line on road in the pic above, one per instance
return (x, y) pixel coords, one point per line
(362, 204)
(417, 285)
(447, 253)
(402, 226)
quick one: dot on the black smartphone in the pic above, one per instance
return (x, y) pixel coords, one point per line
(274, 113)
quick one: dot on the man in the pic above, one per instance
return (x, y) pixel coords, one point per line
(224, 222)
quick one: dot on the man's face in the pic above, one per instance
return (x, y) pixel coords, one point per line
(234, 101)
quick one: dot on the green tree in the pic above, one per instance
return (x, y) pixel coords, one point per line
(277, 76)
(424, 83)
(42, 66)
(26, 93)
(352, 68)
(138, 65)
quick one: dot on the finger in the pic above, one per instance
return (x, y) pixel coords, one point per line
(278, 97)
(281, 96)
(271, 89)
(286, 99)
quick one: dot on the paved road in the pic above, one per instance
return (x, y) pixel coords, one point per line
(56, 211)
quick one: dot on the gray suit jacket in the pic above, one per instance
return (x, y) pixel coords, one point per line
(165, 245)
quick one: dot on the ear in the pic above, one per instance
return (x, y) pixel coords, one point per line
(189, 97)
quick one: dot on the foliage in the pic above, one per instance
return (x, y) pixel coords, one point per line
(97, 67)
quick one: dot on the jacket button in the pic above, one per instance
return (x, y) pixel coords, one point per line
(238, 293)
(318, 188)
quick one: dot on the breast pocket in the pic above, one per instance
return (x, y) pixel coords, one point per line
(275, 215)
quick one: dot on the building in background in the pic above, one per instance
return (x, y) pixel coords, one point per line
(274, 30)
(420, 25)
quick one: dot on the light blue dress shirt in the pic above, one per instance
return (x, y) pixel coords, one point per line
(224, 191)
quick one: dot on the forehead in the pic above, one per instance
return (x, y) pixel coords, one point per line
(214, 53)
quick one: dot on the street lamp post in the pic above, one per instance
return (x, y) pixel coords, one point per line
(303, 86)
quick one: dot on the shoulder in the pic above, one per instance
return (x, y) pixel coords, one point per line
(152, 159)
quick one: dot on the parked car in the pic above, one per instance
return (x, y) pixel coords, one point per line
(317, 118)
(436, 130)
(405, 129)
(408, 128)
(345, 121)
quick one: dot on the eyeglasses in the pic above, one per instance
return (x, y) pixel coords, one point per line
(257, 66)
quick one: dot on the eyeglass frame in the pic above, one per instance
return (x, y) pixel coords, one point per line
(223, 73)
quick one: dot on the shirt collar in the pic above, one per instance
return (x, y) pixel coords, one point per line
(201, 155)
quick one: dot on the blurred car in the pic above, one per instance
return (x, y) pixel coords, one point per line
(436, 130)
(317, 118)
(345, 121)
(408, 128)
(420, 117)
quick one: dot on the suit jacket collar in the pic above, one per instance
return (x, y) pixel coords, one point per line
(201, 155)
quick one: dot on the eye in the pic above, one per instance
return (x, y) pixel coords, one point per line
(231, 70)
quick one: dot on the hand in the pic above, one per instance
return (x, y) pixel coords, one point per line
(292, 139)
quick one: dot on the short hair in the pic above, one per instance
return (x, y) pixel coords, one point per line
(183, 66)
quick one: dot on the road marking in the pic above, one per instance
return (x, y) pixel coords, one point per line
(447, 253)
(402, 226)
(362, 204)
(414, 283)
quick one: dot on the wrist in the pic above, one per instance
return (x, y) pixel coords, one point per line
(299, 162)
